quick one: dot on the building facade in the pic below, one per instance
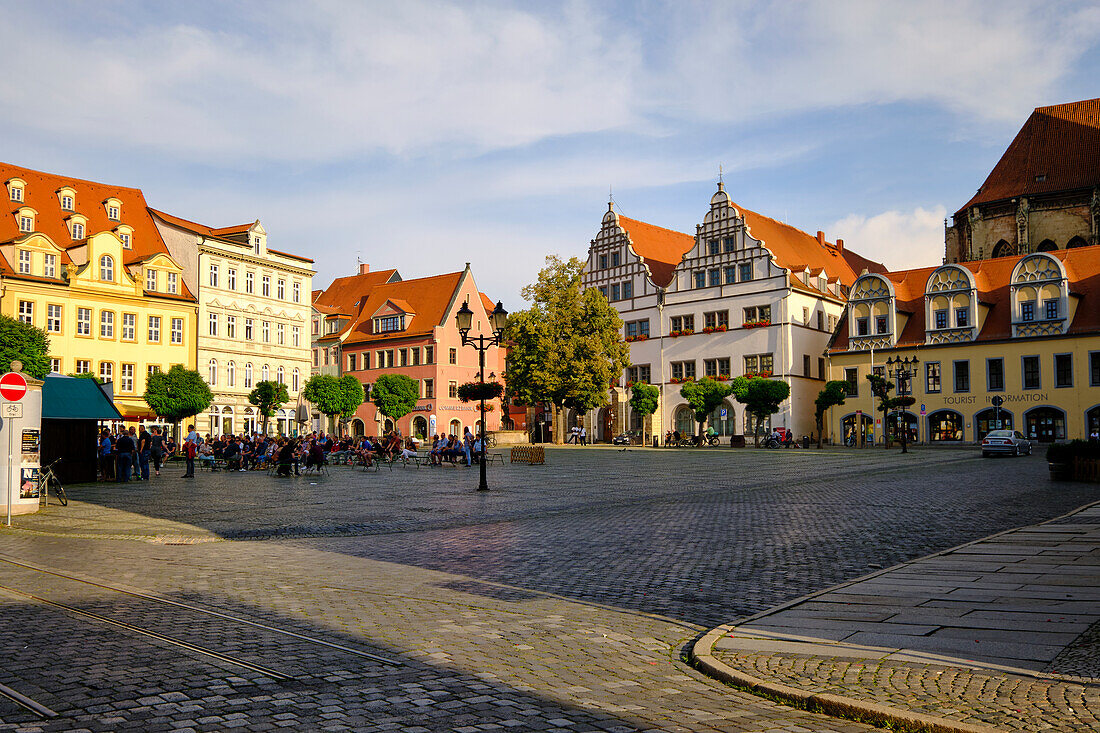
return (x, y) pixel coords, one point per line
(253, 319)
(746, 295)
(1044, 193)
(408, 327)
(85, 262)
(1025, 329)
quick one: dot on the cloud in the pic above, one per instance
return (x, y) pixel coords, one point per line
(898, 239)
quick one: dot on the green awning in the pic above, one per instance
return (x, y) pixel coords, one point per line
(69, 398)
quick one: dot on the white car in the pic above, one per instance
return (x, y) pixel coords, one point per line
(1009, 442)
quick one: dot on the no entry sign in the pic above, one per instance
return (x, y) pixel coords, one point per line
(13, 386)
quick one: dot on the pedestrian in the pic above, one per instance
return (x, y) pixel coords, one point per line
(584, 435)
(125, 447)
(106, 462)
(145, 452)
(190, 448)
(156, 448)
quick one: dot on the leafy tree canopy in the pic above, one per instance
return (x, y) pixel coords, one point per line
(177, 393)
(566, 348)
(267, 397)
(323, 391)
(23, 342)
(395, 395)
(835, 392)
(644, 398)
(88, 375)
(352, 395)
(704, 396)
(761, 397)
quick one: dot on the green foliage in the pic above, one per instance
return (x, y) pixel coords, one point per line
(475, 391)
(395, 395)
(834, 394)
(643, 398)
(704, 396)
(761, 397)
(1066, 452)
(177, 393)
(323, 392)
(88, 375)
(352, 396)
(23, 342)
(267, 397)
(880, 388)
(566, 348)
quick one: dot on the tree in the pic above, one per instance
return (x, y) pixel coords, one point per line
(177, 394)
(353, 395)
(88, 375)
(23, 342)
(267, 397)
(761, 398)
(835, 392)
(567, 347)
(643, 400)
(395, 395)
(880, 388)
(335, 397)
(704, 396)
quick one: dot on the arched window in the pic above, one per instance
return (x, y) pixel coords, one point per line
(230, 374)
(265, 373)
(295, 379)
(280, 375)
(1002, 249)
(248, 375)
(106, 268)
(1046, 246)
(212, 376)
(1076, 242)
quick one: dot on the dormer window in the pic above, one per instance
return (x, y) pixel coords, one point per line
(78, 230)
(386, 324)
(940, 316)
(151, 280)
(16, 193)
(1027, 310)
(1051, 307)
(24, 262)
(26, 223)
(106, 268)
(113, 207)
(112, 213)
(125, 240)
(67, 202)
(862, 326)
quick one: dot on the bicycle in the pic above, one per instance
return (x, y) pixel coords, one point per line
(46, 478)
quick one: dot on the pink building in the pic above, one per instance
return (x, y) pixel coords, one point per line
(408, 327)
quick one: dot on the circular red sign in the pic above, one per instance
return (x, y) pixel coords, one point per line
(13, 386)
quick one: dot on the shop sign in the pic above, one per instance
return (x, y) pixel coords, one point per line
(1026, 397)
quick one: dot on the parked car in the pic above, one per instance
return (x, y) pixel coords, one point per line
(621, 439)
(1010, 442)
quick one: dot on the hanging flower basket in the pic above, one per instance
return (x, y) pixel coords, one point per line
(476, 391)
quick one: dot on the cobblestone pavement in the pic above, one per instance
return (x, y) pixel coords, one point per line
(561, 600)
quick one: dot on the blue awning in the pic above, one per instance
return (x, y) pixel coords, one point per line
(70, 398)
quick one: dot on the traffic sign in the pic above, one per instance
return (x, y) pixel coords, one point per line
(13, 386)
(12, 409)
(997, 400)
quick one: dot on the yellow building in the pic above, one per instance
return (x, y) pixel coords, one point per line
(1025, 329)
(84, 262)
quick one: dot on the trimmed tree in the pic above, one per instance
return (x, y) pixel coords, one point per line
(643, 400)
(880, 388)
(703, 397)
(395, 395)
(352, 396)
(267, 397)
(567, 347)
(834, 394)
(323, 391)
(88, 375)
(177, 394)
(761, 398)
(23, 342)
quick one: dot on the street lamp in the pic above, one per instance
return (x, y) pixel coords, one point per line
(464, 319)
(902, 371)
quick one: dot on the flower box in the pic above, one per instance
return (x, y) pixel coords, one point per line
(639, 337)
(683, 332)
(755, 324)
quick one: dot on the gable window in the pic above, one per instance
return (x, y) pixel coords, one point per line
(256, 245)
(603, 262)
(151, 280)
(744, 272)
(49, 264)
(713, 247)
(729, 242)
(173, 282)
(731, 275)
(78, 230)
(714, 277)
(700, 279)
(106, 268)
(25, 261)
(1027, 310)
(616, 259)
(386, 324)
(1050, 306)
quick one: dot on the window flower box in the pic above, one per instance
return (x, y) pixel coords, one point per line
(639, 337)
(762, 375)
(755, 324)
(682, 332)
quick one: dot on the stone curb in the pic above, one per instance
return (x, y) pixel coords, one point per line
(838, 705)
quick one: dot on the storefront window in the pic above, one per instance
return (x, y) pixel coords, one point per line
(899, 418)
(989, 419)
(851, 432)
(1046, 424)
(945, 426)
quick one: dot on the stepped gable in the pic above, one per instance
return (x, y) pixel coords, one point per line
(1057, 149)
(661, 249)
(427, 297)
(992, 277)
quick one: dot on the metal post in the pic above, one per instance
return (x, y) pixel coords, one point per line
(11, 468)
(481, 347)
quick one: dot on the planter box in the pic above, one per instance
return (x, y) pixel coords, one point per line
(1086, 469)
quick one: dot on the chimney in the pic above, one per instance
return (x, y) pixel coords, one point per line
(840, 244)
(364, 268)
(821, 237)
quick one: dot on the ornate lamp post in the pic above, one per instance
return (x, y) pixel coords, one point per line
(464, 319)
(902, 371)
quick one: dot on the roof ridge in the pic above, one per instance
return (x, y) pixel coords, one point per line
(71, 178)
(655, 226)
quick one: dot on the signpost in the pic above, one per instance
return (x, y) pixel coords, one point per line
(12, 388)
(997, 402)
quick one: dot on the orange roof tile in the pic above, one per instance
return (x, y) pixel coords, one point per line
(661, 249)
(428, 298)
(1057, 149)
(486, 301)
(992, 278)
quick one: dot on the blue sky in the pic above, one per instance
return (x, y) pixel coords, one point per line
(422, 135)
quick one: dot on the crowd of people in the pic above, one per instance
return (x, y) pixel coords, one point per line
(130, 453)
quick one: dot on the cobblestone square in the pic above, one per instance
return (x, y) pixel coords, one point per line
(562, 599)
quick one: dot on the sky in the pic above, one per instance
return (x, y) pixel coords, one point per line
(424, 135)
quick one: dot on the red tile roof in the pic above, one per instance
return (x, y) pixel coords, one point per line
(428, 297)
(661, 249)
(230, 232)
(992, 278)
(1058, 144)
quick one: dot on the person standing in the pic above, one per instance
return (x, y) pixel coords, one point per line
(144, 452)
(584, 435)
(190, 448)
(125, 447)
(106, 460)
(156, 449)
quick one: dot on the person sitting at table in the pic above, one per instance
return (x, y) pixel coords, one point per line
(232, 455)
(454, 450)
(206, 455)
(315, 455)
(409, 451)
(284, 458)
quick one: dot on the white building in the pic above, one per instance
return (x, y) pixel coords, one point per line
(745, 295)
(253, 318)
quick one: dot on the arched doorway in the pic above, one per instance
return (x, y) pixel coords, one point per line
(989, 419)
(1046, 246)
(227, 420)
(420, 426)
(1076, 242)
(850, 430)
(1045, 424)
(894, 423)
(603, 425)
(685, 420)
(1001, 249)
(249, 421)
(455, 428)
(1092, 423)
(945, 426)
(358, 428)
(723, 425)
(387, 426)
